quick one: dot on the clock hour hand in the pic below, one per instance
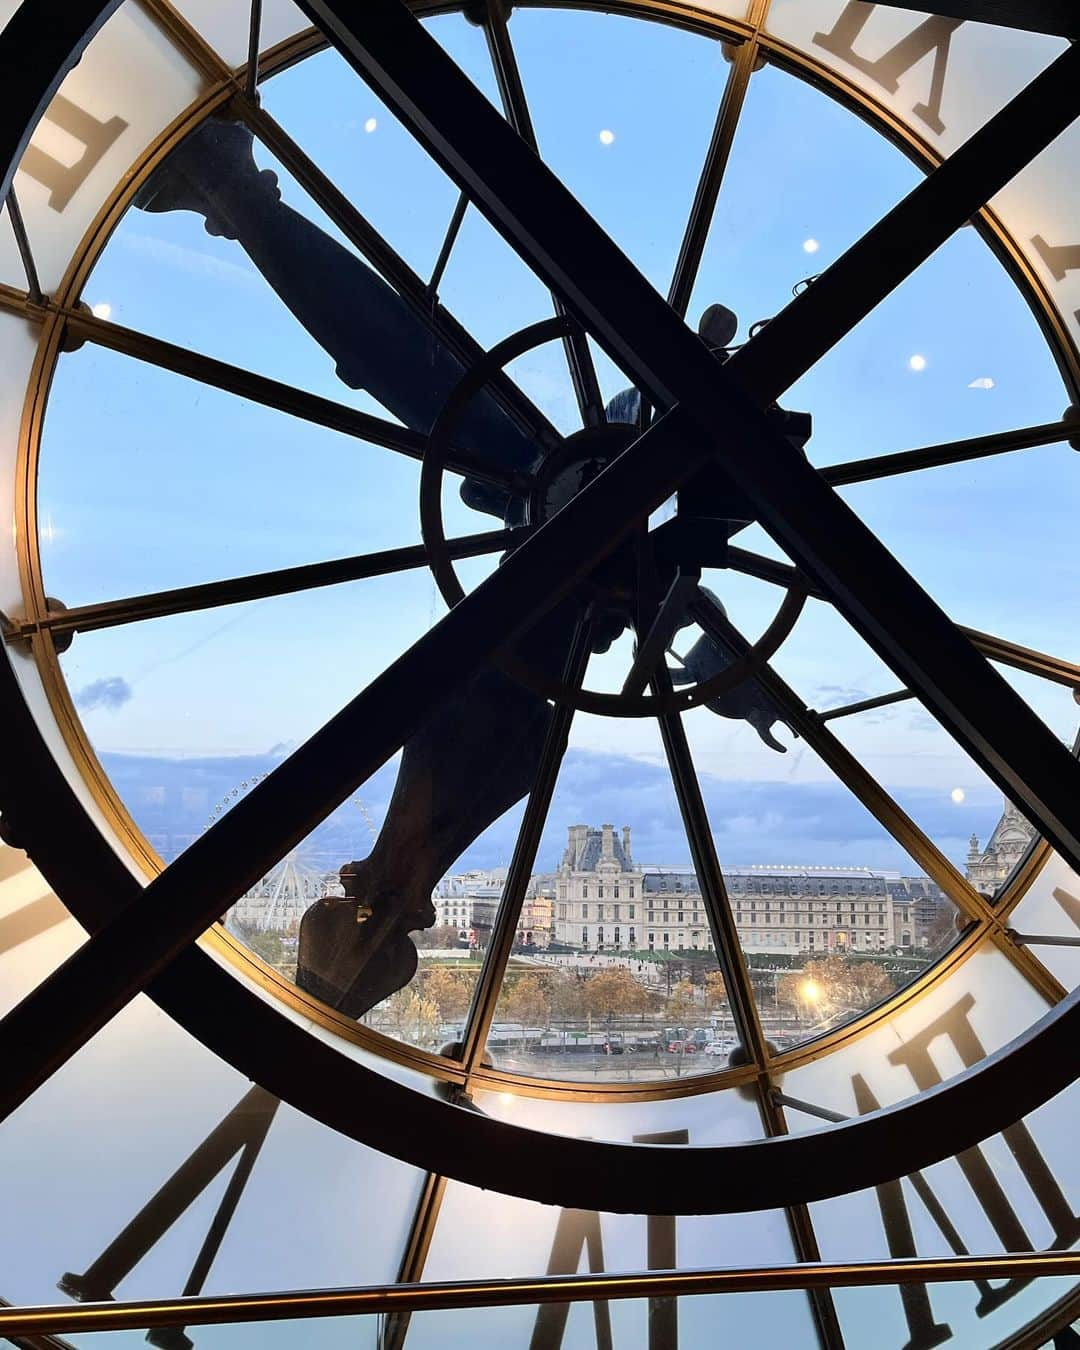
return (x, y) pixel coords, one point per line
(376, 340)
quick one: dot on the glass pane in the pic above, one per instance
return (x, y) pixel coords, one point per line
(1015, 1192)
(1051, 908)
(971, 1012)
(36, 931)
(186, 484)
(763, 242)
(610, 96)
(945, 78)
(615, 977)
(86, 1158)
(130, 83)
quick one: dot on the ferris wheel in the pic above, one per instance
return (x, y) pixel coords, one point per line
(277, 902)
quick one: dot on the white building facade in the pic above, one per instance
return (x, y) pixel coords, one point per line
(605, 902)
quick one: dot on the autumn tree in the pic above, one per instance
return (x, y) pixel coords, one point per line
(413, 1017)
(526, 1001)
(615, 992)
(680, 1003)
(566, 996)
(450, 990)
(834, 985)
(715, 989)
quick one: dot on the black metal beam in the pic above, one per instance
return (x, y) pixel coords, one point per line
(271, 393)
(1060, 17)
(541, 219)
(257, 586)
(516, 109)
(877, 467)
(64, 1012)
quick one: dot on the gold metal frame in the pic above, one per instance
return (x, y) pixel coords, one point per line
(443, 1296)
(750, 44)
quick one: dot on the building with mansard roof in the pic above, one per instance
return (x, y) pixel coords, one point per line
(987, 868)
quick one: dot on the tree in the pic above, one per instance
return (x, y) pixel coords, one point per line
(526, 1001)
(835, 985)
(450, 990)
(680, 1003)
(265, 944)
(566, 996)
(414, 1017)
(715, 989)
(615, 991)
(441, 936)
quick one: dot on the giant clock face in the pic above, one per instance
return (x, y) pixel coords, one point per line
(288, 417)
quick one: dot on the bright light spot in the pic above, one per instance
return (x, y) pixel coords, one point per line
(607, 137)
(957, 795)
(810, 246)
(810, 990)
(917, 363)
(506, 1098)
(985, 383)
(370, 125)
(101, 310)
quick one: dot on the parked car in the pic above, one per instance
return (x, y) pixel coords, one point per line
(723, 1048)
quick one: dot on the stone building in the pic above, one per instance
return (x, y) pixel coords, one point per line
(472, 915)
(782, 910)
(988, 868)
(606, 902)
(536, 922)
(598, 891)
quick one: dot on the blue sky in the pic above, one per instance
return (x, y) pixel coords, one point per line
(150, 481)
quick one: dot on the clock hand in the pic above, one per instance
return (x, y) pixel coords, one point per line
(377, 341)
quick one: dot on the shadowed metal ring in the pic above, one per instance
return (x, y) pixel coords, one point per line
(674, 700)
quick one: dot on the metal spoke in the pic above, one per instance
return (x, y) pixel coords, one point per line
(1001, 650)
(516, 108)
(714, 893)
(22, 243)
(450, 239)
(260, 585)
(880, 804)
(251, 75)
(743, 64)
(523, 860)
(1059, 17)
(955, 452)
(1043, 940)
(824, 313)
(866, 705)
(411, 1270)
(390, 50)
(140, 940)
(353, 225)
(732, 962)
(270, 393)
